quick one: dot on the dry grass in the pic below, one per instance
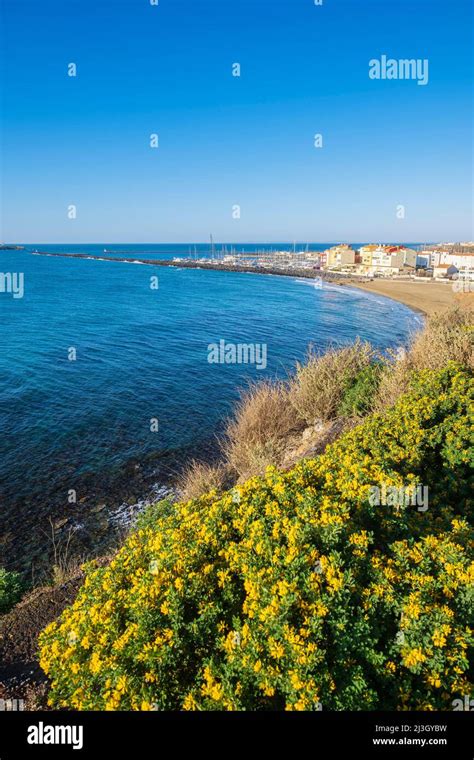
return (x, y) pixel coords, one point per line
(200, 478)
(270, 417)
(446, 337)
(65, 564)
(319, 385)
(263, 421)
(393, 382)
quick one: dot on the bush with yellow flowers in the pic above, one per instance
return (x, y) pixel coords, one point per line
(294, 590)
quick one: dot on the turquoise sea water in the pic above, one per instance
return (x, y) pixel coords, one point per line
(141, 354)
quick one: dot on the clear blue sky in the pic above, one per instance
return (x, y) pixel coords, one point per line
(224, 140)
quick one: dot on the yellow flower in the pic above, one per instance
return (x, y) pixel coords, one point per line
(413, 658)
(121, 683)
(211, 688)
(189, 703)
(296, 681)
(277, 651)
(95, 663)
(439, 637)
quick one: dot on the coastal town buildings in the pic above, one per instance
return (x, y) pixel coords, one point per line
(365, 253)
(423, 259)
(372, 260)
(323, 259)
(444, 270)
(340, 256)
(452, 262)
(459, 260)
(386, 261)
(375, 260)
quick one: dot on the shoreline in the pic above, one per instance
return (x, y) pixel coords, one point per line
(105, 506)
(425, 298)
(109, 499)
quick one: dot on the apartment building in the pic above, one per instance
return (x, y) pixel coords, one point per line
(340, 256)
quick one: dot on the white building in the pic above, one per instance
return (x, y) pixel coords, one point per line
(463, 262)
(409, 257)
(424, 259)
(444, 271)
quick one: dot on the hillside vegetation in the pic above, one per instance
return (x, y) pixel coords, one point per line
(295, 589)
(279, 423)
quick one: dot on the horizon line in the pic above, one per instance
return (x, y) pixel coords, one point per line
(223, 242)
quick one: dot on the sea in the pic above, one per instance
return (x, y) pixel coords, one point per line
(105, 380)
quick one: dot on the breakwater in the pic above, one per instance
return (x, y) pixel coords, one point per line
(334, 277)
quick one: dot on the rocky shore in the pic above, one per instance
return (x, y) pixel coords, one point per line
(38, 532)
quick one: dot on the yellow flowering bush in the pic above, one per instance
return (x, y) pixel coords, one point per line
(293, 591)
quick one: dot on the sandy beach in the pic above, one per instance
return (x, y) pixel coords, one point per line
(427, 297)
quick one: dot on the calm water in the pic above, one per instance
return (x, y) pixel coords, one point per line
(142, 354)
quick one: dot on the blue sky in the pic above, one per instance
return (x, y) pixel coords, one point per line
(226, 141)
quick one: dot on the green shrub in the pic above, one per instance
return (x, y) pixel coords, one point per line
(358, 399)
(293, 590)
(11, 589)
(153, 512)
(319, 385)
(446, 337)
